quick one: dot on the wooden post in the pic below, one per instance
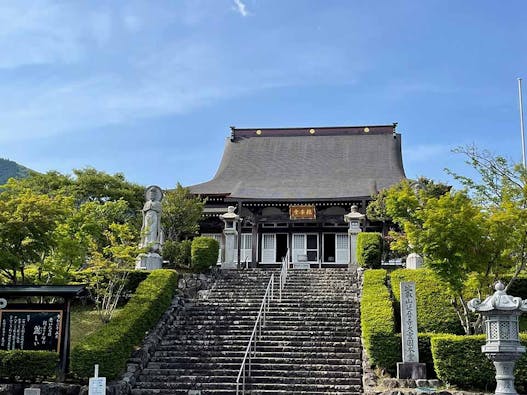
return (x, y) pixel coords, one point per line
(239, 252)
(254, 246)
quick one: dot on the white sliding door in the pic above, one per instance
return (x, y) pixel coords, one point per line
(341, 248)
(247, 247)
(299, 248)
(268, 248)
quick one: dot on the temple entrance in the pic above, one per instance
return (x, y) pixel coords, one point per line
(335, 248)
(281, 246)
(274, 247)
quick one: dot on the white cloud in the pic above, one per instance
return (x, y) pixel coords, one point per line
(241, 7)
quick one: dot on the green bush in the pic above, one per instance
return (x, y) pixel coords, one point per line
(28, 365)
(458, 361)
(111, 346)
(369, 250)
(377, 321)
(204, 252)
(435, 312)
(178, 253)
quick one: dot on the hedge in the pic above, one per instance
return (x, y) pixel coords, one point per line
(204, 252)
(377, 321)
(28, 365)
(369, 250)
(459, 361)
(111, 346)
(435, 312)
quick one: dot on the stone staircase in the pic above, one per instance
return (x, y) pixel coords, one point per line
(310, 345)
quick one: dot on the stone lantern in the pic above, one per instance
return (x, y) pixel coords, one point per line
(231, 221)
(503, 348)
(354, 219)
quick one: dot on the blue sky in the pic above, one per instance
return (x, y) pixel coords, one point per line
(150, 88)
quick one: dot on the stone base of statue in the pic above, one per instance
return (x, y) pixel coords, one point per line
(411, 370)
(150, 261)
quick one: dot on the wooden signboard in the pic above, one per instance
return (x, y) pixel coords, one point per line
(306, 211)
(31, 329)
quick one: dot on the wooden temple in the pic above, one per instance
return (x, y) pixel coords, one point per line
(292, 187)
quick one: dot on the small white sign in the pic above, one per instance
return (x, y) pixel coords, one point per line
(97, 386)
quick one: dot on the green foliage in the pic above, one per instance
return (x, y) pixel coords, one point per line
(178, 253)
(369, 250)
(435, 312)
(181, 213)
(459, 361)
(27, 224)
(204, 252)
(111, 346)
(133, 278)
(378, 321)
(10, 169)
(28, 365)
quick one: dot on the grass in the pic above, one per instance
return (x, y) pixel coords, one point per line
(85, 320)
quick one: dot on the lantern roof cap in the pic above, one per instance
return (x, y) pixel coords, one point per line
(353, 214)
(498, 301)
(230, 215)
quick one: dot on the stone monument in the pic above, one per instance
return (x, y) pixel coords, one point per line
(414, 261)
(231, 221)
(151, 231)
(354, 219)
(410, 368)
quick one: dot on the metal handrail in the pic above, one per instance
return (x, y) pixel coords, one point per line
(250, 351)
(283, 273)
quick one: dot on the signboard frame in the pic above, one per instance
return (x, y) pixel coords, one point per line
(40, 308)
(302, 211)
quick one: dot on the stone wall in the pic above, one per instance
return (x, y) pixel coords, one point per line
(190, 286)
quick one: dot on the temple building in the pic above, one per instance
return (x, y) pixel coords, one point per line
(291, 189)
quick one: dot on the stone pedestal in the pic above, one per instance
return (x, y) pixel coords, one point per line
(352, 237)
(411, 370)
(150, 261)
(414, 261)
(230, 261)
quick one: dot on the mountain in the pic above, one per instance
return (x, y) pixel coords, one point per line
(9, 169)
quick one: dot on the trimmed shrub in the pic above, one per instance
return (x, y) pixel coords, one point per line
(435, 313)
(178, 252)
(28, 365)
(369, 250)
(204, 252)
(111, 346)
(377, 322)
(458, 361)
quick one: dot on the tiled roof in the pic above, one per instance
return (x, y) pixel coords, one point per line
(307, 163)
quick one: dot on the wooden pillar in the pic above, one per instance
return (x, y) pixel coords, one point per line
(254, 257)
(239, 249)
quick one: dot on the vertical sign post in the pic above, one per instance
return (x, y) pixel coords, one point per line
(97, 385)
(410, 367)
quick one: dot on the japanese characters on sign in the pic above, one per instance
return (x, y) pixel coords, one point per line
(409, 322)
(302, 212)
(30, 330)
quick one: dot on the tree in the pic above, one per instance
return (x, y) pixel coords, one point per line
(109, 268)
(28, 221)
(448, 229)
(501, 189)
(181, 213)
